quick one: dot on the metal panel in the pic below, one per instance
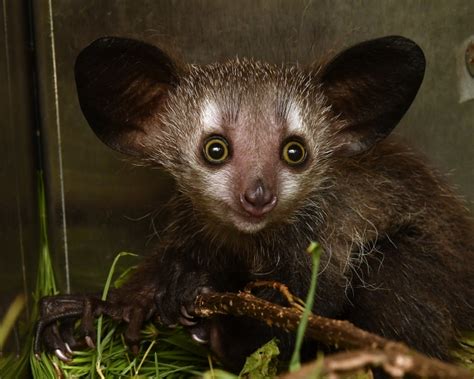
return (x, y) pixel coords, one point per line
(94, 194)
(18, 191)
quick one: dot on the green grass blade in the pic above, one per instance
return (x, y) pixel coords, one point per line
(104, 297)
(315, 250)
(8, 321)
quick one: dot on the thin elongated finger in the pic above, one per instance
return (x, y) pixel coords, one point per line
(132, 333)
(66, 331)
(167, 312)
(87, 327)
(54, 343)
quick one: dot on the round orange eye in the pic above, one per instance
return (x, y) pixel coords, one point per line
(216, 150)
(294, 153)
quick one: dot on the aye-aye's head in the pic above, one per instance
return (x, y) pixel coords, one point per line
(248, 142)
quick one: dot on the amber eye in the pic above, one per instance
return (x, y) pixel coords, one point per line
(294, 153)
(216, 150)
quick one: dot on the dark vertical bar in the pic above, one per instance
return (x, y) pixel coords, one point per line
(18, 196)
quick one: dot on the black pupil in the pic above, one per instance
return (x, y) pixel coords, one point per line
(295, 152)
(216, 150)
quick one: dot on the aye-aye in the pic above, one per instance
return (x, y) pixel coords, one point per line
(267, 158)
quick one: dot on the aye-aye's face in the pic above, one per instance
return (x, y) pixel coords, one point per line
(250, 141)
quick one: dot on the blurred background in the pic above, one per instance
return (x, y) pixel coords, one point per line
(98, 204)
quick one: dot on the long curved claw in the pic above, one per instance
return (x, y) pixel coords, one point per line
(66, 331)
(68, 348)
(186, 319)
(187, 322)
(62, 356)
(200, 333)
(90, 342)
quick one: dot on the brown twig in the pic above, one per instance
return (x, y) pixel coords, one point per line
(292, 300)
(394, 363)
(341, 334)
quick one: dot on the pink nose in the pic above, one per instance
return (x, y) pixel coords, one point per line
(258, 200)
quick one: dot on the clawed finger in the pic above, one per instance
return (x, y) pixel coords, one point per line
(53, 341)
(200, 333)
(87, 327)
(186, 319)
(132, 333)
(66, 331)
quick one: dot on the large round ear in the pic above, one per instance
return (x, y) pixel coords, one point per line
(121, 84)
(370, 86)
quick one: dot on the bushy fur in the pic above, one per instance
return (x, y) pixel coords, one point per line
(397, 242)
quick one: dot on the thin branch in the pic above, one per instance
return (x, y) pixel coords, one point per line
(341, 334)
(394, 363)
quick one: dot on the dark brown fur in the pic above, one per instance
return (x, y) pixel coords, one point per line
(398, 243)
(409, 276)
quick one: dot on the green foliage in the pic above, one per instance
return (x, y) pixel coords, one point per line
(163, 354)
(315, 250)
(8, 321)
(465, 353)
(262, 363)
(219, 374)
(17, 367)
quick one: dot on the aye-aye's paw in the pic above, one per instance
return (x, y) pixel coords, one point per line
(56, 328)
(175, 301)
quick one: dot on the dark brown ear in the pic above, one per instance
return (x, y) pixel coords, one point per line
(370, 86)
(121, 84)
